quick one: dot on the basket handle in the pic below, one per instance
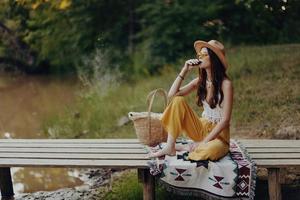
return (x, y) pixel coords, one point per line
(150, 100)
(151, 96)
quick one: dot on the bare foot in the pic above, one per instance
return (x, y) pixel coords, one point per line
(165, 151)
(182, 147)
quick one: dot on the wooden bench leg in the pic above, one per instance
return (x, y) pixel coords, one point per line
(6, 185)
(274, 184)
(148, 184)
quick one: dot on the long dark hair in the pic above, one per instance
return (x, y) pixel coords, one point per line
(218, 75)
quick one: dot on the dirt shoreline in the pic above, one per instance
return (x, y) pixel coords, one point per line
(96, 182)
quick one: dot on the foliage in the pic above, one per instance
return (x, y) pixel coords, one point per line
(140, 37)
(170, 27)
(261, 21)
(54, 30)
(61, 32)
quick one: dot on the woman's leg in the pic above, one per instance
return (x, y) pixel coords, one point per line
(169, 149)
(213, 150)
(179, 117)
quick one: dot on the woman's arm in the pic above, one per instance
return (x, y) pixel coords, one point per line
(185, 90)
(227, 109)
(175, 89)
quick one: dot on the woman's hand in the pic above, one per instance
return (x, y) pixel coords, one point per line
(195, 145)
(176, 86)
(191, 64)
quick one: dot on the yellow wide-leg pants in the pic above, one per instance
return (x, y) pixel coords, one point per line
(179, 118)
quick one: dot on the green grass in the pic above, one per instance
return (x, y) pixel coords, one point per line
(267, 90)
(266, 97)
(127, 187)
(96, 114)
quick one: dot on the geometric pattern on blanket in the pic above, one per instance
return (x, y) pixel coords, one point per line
(231, 177)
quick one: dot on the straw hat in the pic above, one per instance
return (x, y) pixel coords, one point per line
(214, 45)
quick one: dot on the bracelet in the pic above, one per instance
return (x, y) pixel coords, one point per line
(181, 76)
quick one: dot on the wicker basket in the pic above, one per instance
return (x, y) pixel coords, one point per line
(148, 127)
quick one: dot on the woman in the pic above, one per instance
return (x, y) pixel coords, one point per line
(210, 133)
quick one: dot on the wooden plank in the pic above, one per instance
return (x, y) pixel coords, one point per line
(268, 140)
(79, 145)
(67, 156)
(273, 150)
(274, 184)
(8, 162)
(276, 155)
(134, 141)
(269, 163)
(265, 143)
(283, 145)
(72, 150)
(72, 141)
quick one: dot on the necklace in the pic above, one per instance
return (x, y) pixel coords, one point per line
(208, 83)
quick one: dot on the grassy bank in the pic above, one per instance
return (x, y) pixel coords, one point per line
(126, 186)
(266, 97)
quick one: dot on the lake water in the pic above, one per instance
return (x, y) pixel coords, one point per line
(25, 102)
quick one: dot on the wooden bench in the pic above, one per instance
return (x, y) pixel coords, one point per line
(73, 153)
(273, 155)
(127, 153)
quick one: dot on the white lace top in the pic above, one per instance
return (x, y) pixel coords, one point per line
(214, 115)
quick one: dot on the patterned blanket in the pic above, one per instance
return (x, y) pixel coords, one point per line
(231, 177)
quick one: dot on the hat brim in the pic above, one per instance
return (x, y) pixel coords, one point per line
(199, 44)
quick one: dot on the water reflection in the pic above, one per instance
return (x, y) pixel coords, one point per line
(46, 179)
(25, 102)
